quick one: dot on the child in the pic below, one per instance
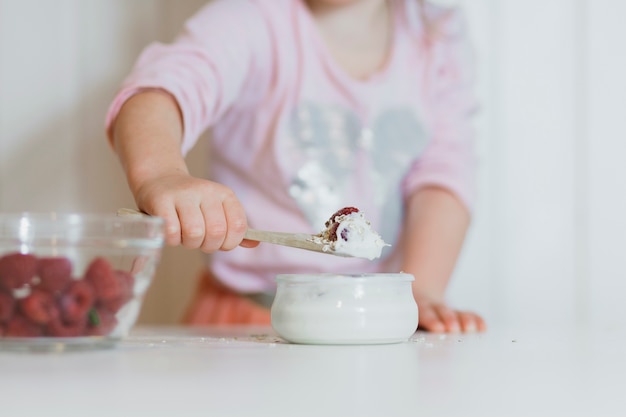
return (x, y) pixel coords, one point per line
(314, 105)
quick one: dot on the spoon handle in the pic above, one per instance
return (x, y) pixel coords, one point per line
(294, 240)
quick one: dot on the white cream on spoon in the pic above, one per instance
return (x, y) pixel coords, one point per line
(349, 233)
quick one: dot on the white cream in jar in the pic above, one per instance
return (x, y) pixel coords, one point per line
(344, 308)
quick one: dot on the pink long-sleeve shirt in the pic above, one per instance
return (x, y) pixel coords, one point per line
(297, 138)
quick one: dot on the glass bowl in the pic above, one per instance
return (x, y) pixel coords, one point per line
(73, 281)
(344, 308)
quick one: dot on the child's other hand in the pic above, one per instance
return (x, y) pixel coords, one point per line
(437, 317)
(198, 213)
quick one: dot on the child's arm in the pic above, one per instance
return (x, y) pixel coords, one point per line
(174, 93)
(199, 213)
(439, 188)
(435, 227)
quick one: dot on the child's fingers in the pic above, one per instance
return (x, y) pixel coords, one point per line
(429, 319)
(215, 226)
(236, 222)
(192, 223)
(469, 322)
(460, 321)
(438, 318)
(172, 225)
(478, 322)
(449, 318)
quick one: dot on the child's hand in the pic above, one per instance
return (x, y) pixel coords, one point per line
(198, 213)
(437, 317)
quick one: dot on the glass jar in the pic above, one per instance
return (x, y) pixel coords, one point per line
(344, 308)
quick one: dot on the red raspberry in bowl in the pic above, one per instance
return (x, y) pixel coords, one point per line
(54, 273)
(20, 326)
(39, 307)
(127, 282)
(101, 275)
(60, 328)
(101, 322)
(17, 269)
(7, 306)
(76, 301)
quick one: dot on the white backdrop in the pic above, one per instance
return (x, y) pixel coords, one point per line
(548, 232)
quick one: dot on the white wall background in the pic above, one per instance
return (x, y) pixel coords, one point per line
(546, 242)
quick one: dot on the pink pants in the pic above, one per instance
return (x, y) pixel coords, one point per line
(214, 303)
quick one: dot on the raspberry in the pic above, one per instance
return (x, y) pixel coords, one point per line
(60, 328)
(7, 307)
(17, 269)
(54, 273)
(20, 326)
(332, 232)
(342, 212)
(39, 307)
(332, 224)
(127, 282)
(76, 301)
(102, 277)
(101, 322)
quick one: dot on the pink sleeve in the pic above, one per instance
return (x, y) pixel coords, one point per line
(207, 67)
(449, 160)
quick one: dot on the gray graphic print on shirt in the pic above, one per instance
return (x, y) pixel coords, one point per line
(337, 160)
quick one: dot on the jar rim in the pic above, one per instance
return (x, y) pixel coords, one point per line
(344, 278)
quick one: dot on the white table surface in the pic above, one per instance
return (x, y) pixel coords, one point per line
(164, 371)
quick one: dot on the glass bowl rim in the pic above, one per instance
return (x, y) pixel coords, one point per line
(73, 217)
